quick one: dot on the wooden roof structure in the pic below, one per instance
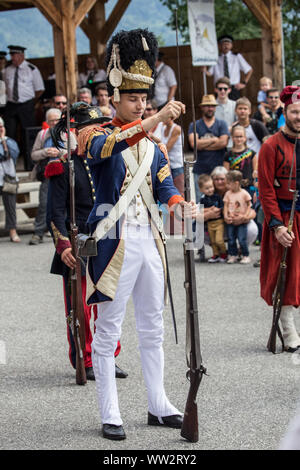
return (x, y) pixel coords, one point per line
(66, 15)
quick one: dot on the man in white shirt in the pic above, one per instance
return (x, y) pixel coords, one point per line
(230, 65)
(24, 85)
(165, 82)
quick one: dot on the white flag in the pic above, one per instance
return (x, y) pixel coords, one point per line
(201, 16)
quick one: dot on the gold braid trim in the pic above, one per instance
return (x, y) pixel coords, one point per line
(87, 133)
(110, 143)
(163, 173)
(57, 235)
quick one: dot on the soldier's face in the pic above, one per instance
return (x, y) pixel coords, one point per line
(292, 117)
(131, 106)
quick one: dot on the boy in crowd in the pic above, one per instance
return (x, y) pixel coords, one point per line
(215, 226)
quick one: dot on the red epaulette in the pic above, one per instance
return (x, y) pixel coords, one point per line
(55, 167)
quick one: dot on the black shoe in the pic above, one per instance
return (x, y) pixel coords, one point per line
(256, 264)
(120, 374)
(89, 372)
(173, 421)
(291, 350)
(201, 254)
(113, 432)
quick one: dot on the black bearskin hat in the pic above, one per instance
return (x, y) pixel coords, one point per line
(130, 62)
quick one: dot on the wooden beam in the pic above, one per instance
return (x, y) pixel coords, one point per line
(260, 11)
(113, 20)
(49, 11)
(86, 27)
(81, 11)
(59, 63)
(96, 22)
(69, 44)
(276, 32)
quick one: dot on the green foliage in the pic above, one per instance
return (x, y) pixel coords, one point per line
(232, 17)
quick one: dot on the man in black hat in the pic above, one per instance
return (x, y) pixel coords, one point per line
(24, 85)
(58, 218)
(230, 65)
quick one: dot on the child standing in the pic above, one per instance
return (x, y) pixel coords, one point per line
(242, 158)
(237, 205)
(215, 227)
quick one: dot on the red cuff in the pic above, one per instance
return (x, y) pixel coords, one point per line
(175, 200)
(62, 245)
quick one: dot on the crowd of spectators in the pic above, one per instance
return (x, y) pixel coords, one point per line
(228, 137)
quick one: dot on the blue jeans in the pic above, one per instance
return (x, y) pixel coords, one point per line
(239, 232)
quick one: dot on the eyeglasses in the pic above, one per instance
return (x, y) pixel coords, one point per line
(219, 179)
(148, 109)
(60, 102)
(220, 88)
(273, 97)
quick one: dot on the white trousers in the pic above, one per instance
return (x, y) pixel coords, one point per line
(142, 277)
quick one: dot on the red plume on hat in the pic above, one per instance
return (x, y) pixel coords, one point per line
(290, 94)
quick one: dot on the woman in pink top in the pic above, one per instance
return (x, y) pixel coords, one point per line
(237, 202)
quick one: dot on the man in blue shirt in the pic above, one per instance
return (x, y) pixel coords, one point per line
(212, 139)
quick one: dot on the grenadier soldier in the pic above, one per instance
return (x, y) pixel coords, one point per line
(278, 155)
(58, 218)
(131, 174)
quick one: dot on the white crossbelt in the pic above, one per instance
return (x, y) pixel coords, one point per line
(145, 191)
(138, 182)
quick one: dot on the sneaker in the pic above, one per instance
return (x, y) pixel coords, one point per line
(232, 259)
(223, 258)
(214, 259)
(245, 260)
(35, 240)
(256, 264)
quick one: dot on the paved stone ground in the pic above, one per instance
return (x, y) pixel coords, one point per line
(246, 401)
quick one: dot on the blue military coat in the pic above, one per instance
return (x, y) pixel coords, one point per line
(104, 146)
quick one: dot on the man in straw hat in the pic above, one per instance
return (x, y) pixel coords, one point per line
(131, 174)
(277, 156)
(212, 139)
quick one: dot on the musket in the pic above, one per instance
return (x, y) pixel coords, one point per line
(279, 290)
(76, 318)
(189, 429)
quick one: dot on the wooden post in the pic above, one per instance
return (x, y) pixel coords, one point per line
(96, 22)
(276, 35)
(59, 65)
(69, 44)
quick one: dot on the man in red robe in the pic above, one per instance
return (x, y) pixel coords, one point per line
(274, 167)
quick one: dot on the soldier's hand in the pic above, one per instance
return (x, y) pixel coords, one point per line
(283, 237)
(171, 110)
(190, 209)
(68, 258)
